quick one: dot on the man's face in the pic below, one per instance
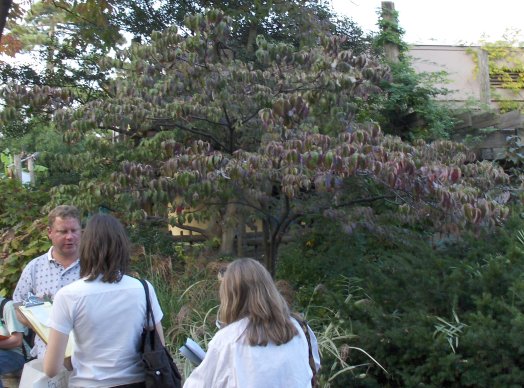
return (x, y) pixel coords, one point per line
(65, 236)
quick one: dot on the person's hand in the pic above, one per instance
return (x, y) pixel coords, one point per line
(21, 318)
(67, 363)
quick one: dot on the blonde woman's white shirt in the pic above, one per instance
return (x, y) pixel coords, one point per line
(107, 321)
(231, 362)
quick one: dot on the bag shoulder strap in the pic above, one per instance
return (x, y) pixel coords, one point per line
(304, 326)
(149, 310)
(149, 315)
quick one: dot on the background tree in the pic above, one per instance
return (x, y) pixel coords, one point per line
(10, 13)
(72, 37)
(294, 22)
(276, 139)
(409, 107)
(22, 230)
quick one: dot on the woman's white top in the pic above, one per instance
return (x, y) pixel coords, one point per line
(231, 362)
(107, 321)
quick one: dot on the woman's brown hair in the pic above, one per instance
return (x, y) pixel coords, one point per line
(104, 249)
(248, 291)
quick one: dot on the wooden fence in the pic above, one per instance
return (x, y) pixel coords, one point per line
(15, 170)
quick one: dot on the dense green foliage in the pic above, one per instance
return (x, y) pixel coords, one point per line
(435, 313)
(22, 230)
(410, 109)
(506, 68)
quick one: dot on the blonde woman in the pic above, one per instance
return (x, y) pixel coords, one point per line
(259, 344)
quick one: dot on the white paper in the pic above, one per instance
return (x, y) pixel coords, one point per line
(42, 313)
(192, 351)
(33, 376)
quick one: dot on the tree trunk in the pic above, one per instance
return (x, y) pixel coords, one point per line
(272, 257)
(266, 237)
(271, 244)
(251, 38)
(50, 66)
(229, 229)
(31, 169)
(241, 231)
(5, 5)
(392, 50)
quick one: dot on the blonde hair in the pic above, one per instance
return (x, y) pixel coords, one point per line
(248, 291)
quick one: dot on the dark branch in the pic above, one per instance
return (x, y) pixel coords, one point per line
(5, 5)
(364, 200)
(76, 15)
(196, 132)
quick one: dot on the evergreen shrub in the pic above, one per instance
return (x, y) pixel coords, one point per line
(446, 315)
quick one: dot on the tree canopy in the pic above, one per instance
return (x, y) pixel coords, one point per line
(186, 128)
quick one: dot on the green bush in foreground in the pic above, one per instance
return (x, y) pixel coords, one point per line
(446, 317)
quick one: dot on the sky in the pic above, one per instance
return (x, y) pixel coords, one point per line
(454, 22)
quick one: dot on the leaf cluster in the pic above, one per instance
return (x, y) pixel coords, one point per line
(407, 292)
(22, 230)
(504, 59)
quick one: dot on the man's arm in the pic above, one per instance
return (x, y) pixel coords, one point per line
(12, 342)
(14, 328)
(23, 287)
(21, 318)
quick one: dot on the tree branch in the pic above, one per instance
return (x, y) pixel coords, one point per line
(195, 132)
(77, 15)
(364, 200)
(195, 229)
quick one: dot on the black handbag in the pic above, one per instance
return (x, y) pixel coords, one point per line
(161, 370)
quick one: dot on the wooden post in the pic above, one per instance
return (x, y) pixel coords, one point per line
(483, 75)
(18, 167)
(31, 169)
(391, 50)
(4, 12)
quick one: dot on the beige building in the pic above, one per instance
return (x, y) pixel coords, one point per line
(468, 73)
(492, 99)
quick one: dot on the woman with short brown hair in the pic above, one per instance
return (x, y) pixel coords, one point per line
(105, 309)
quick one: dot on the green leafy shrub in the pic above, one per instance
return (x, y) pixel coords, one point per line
(409, 106)
(435, 317)
(22, 230)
